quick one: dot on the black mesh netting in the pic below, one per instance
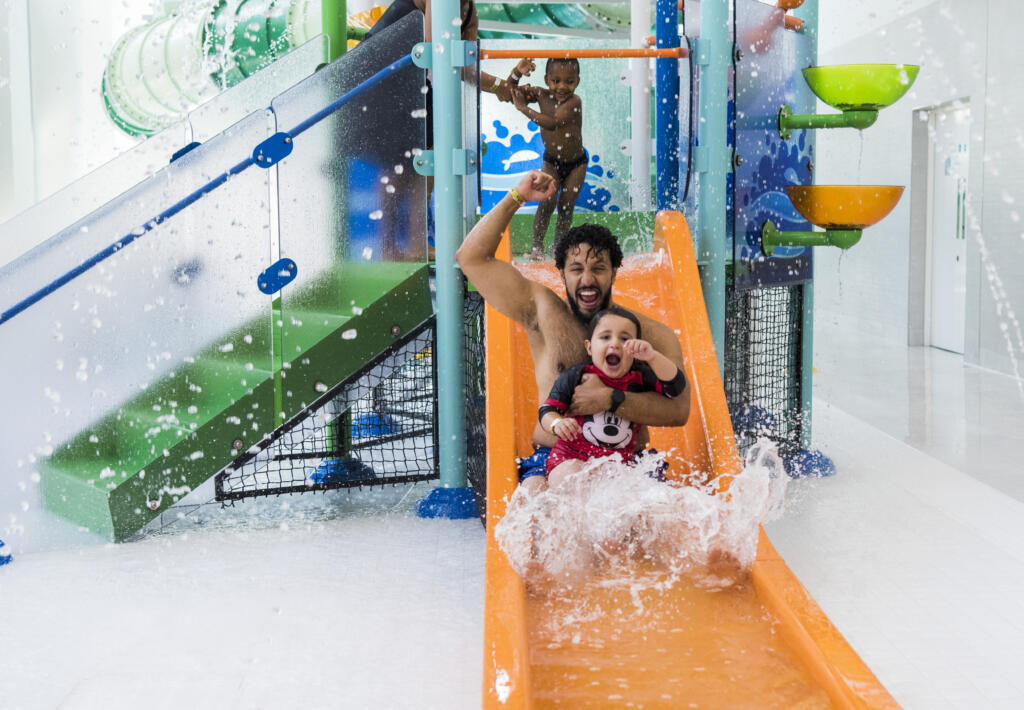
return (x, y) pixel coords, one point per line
(378, 427)
(476, 414)
(763, 365)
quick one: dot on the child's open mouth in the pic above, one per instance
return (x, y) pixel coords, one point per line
(612, 360)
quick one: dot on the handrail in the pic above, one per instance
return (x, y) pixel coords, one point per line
(194, 196)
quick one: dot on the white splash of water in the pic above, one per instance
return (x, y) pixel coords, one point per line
(611, 515)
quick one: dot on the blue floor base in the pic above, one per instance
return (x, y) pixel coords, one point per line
(451, 503)
(809, 463)
(336, 470)
(367, 425)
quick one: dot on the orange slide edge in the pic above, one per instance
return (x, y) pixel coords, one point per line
(832, 662)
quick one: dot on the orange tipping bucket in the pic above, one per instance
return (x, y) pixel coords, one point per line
(844, 206)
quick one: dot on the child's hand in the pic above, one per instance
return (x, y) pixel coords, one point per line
(566, 428)
(640, 349)
(525, 67)
(519, 98)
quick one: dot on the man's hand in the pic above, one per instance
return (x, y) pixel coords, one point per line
(518, 98)
(536, 185)
(590, 397)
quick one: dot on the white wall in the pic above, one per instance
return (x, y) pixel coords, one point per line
(1002, 210)
(6, 171)
(968, 50)
(55, 52)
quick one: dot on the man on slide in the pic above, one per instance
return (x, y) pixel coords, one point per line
(587, 258)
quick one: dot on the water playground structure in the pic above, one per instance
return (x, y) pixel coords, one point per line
(262, 315)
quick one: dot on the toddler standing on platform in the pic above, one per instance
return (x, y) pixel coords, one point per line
(561, 122)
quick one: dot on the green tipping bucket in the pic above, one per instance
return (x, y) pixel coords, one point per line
(861, 87)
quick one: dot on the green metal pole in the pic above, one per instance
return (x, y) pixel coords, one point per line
(808, 12)
(714, 51)
(448, 234)
(788, 121)
(334, 24)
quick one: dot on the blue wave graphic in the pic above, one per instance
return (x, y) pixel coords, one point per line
(503, 166)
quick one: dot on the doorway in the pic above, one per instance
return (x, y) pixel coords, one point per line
(949, 131)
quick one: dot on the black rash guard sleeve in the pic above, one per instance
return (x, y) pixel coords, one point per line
(561, 393)
(669, 388)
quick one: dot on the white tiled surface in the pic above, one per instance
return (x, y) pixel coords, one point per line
(967, 417)
(919, 565)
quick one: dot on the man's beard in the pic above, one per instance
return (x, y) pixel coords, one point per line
(585, 319)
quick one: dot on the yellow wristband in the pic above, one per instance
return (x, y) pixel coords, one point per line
(514, 194)
(497, 83)
(551, 426)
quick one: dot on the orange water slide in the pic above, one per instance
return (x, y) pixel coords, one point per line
(762, 644)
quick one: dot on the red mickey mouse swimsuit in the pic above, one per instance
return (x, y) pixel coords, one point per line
(604, 433)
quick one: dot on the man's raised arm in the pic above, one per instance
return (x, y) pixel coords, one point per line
(500, 283)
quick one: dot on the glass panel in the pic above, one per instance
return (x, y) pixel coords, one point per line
(471, 141)
(689, 96)
(349, 189)
(49, 216)
(52, 214)
(125, 368)
(352, 211)
(768, 76)
(257, 91)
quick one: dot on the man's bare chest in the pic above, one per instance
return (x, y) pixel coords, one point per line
(561, 347)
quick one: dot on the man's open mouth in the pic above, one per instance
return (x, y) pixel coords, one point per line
(588, 298)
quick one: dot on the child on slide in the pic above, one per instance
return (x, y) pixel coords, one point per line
(561, 124)
(623, 362)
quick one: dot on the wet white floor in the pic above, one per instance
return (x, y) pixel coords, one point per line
(915, 549)
(336, 610)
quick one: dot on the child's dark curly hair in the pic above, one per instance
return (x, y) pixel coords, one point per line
(613, 311)
(599, 238)
(570, 62)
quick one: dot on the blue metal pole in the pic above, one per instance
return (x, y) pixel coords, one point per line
(667, 106)
(715, 51)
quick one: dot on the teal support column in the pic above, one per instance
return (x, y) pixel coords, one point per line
(714, 50)
(808, 12)
(448, 53)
